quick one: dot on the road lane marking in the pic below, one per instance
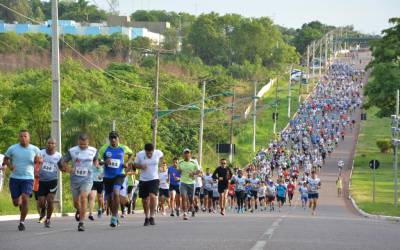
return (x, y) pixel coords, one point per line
(259, 245)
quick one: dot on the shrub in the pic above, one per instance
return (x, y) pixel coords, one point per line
(384, 145)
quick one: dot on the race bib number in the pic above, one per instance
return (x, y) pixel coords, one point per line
(81, 171)
(48, 167)
(313, 188)
(115, 163)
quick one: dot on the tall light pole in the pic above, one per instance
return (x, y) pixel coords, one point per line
(320, 58)
(254, 116)
(203, 90)
(276, 105)
(55, 94)
(308, 66)
(231, 129)
(313, 59)
(395, 149)
(326, 54)
(155, 115)
(290, 91)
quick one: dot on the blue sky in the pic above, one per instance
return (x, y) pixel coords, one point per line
(370, 16)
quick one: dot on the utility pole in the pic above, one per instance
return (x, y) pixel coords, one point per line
(290, 90)
(55, 95)
(308, 68)
(254, 116)
(320, 58)
(154, 123)
(113, 125)
(231, 130)
(326, 54)
(301, 77)
(395, 167)
(155, 115)
(276, 105)
(313, 59)
(203, 90)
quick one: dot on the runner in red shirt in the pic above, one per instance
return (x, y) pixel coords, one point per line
(290, 188)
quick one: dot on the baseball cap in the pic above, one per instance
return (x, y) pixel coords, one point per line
(186, 150)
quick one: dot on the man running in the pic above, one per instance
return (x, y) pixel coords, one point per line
(48, 178)
(82, 158)
(239, 182)
(113, 155)
(223, 174)
(20, 158)
(149, 161)
(97, 192)
(174, 185)
(314, 183)
(188, 168)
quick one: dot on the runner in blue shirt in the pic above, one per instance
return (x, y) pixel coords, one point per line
(174, 183)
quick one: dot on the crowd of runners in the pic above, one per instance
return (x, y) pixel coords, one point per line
(113, 177)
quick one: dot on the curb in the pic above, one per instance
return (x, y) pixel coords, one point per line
(365, 214)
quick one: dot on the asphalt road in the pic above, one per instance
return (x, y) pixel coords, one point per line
(336, 226)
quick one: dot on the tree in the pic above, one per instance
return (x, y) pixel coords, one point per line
(385, 75)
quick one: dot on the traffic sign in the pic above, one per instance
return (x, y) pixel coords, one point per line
(374, 164)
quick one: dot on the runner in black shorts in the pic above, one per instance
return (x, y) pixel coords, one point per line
(223, 174)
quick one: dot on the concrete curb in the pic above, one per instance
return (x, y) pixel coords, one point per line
(365, 214)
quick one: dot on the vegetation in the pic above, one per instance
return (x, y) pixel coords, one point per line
(372, 130)
(385, 71)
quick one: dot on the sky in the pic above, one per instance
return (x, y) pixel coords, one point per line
(368, 16)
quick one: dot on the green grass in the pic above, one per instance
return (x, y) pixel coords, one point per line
(371, 130)
(265, 123)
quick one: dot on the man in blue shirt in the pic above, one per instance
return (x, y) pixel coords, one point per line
(281, 194)
(20, 158)
(113, 155)
(174, 183)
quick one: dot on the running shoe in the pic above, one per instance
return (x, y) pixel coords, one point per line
(146, 222)
(77, 216)
(81, 227)
(114, 221)
(21, 226)
(151, 221)
(91, 217)
(47, 223)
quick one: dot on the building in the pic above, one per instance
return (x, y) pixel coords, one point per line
(125, 21)
(74, 28)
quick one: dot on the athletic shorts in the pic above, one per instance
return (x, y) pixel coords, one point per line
(271, 198)
(174, 188)
(222, 187)
(313, 196)
(197, 191)
(115, 183)
(148, 187)
(261, 198)
(281, 199)
(304, 198)
(130, 188)
(98, 186)
(83, 187)
(290, 196)
(19, 186)
(208, 193)
(163, 192)
(187, 189)
(254, 194)
(47, 187)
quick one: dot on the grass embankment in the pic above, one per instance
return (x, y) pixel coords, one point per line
(373, 129)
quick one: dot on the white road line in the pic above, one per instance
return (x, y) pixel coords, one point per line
(259, 245)
(54, 231)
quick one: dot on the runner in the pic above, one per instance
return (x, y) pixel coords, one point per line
(261, 195)
(255, 183)
(240, 182)
(290, 190)
(20, 159)
(223, 174)
(187, 168)
(132, 189)
(164, 188)
(149, 160)
(304, 195)
(208, 191)
(314, 183)
(48, 179)
(113, 155)
(174, 186)
(123, 198)
(97, 192)
(281, 194)
(198, 186)
(82, 158)
(339, 186)
(271, 193)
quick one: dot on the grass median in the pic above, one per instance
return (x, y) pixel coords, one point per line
(373, 129)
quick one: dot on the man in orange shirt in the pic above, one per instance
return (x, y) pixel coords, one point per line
(41, 211)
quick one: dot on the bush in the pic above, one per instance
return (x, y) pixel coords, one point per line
(384, 145)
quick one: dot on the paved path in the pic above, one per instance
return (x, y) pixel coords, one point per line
(336, 226)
